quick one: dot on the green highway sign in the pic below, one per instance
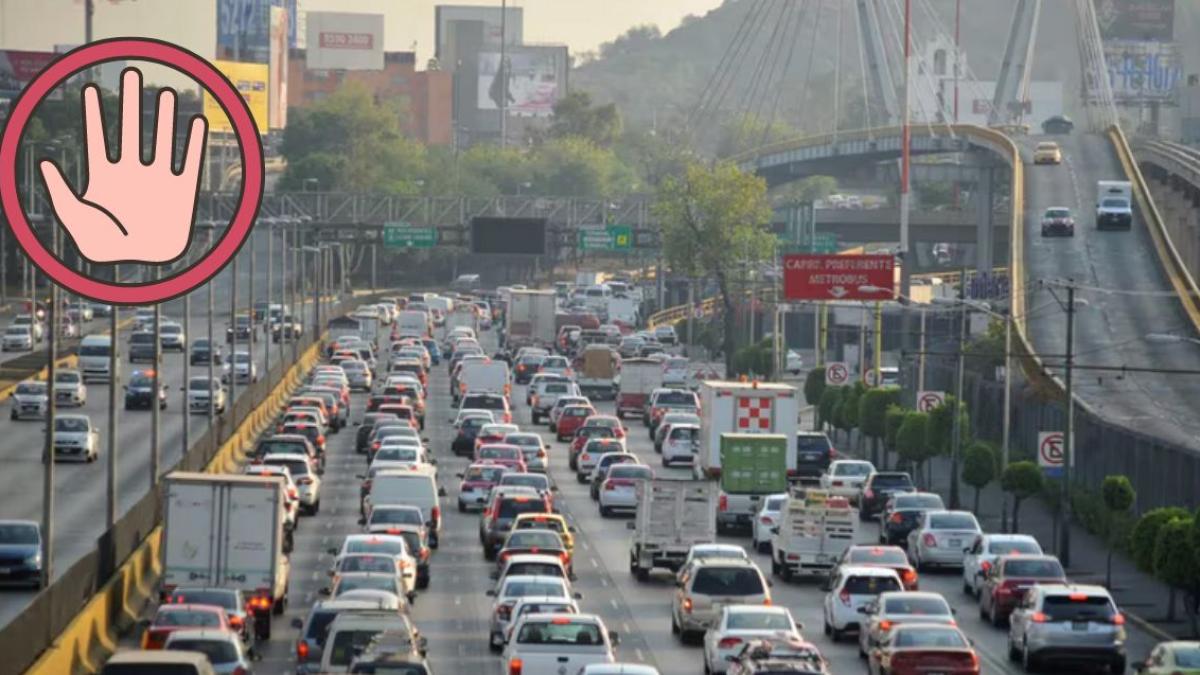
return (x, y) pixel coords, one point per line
(606, 238)
(404, 235)
(825, 242)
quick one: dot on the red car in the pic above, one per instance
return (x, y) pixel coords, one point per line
(170, 618)
(919, 649)
(891, 557)
(502, 454)
(1008, 579)
(571, 419)
(610, 421)
(587, 432)
(493, 433)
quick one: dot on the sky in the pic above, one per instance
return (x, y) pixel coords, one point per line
(39, 25)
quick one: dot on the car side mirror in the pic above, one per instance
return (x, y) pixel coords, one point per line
(614, 637)
(325, 591)
(297, 623)
(331, 551)
(490, 593)
(441, 491)
(578, 595)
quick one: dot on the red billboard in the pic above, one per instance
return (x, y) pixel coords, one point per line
(17, 68)
(839, 277)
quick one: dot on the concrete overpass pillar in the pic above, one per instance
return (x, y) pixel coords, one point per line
(984, 221)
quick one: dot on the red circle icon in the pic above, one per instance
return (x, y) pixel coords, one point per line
(929, 402)
(184, 61)
(838, 373)
(1052, 449)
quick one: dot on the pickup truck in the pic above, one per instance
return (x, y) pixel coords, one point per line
(553, 644)
(814, 530)
(672, 516)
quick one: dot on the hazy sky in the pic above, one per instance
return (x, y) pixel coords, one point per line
(581, 24)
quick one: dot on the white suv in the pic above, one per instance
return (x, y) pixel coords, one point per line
(708, 585)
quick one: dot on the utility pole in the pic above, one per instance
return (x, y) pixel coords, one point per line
(212, 360)
(231, 404)
(921, 354)
(113, 362)
(956, 441)
(878, 342)
(252, 325)
(1005, 434)
(155, 407)
(267, 317)
(905, 152)
(187, 371)
(1064, 532)
(51, 415)
(502, 73)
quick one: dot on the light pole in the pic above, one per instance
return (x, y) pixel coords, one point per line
(51, 414)
(212, 359)
(111, 496)
(232, 402)
(156, 381)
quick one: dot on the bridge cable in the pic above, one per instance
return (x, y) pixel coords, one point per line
(722, 65)
(736, 64)
(769, 66)
(767, 55)
(862, 64)
(721, 80)
(799, 15)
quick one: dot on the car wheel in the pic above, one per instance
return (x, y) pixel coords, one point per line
(994, 616)
(763, 547)
(967, 588)
(605, 512)
(674, 625)
(1028, 662)
(1014, 654)
(461, 508)
(12, 415)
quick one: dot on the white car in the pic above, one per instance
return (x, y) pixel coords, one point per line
(69, 388)
(520, 586)
(199, 389)
(681, 444)
(291, 495)
(619, 490)
(37, 327)
(401, 565)
(556, 644)
(700, 552)
(358, 373)
(76, 438)
(171, 336)
(739, 624)
(30, 400)
(306, 477)
(941, 538)
(893, 608)
(17, 339)
(794, 363)
(243, 365)
(765, 520)
(978, 560)
(845, 478)
(538, 605)
(852, 588)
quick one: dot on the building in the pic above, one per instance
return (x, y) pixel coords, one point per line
(428, 92)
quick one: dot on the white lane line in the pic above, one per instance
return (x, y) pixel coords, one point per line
(603, 582)
(594, 563)
(625, 627)
(614, 603)
(640, 656)
(457, 600)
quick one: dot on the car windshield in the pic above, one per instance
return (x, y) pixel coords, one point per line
(945, 638)
(66, 378)
(560, 632)
(685, 434)
(90, 350)
(675, 398)
(18, 533)
(374, 583)
(374, 545)
(31, 389)
(878, 555)
(1115, 204)
(141, 338)
(16, 330)
(727, 581)
(534, 538)
(186, 617)
(891, 480)
(523, 588)
(396, 454)
(1187, 657)
(870, 585)
(1058, 213)
(758, 621)
(367, 563)
(141, 381)
(1034, 569)
(171, 328)
(70, 424)
(952, 521)
(852, 469)
(488, 474)
(347, 644)
(1013, 546)
(577, 412)
(217, 651)
(515, 506)
(681, 418)
(916, 605)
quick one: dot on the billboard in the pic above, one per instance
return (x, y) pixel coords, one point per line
(839, 277)
(513, 28)
(511, 236)
(277, 81)
(251, 80)
(17, 68)
(1143, 71)
(244, 28)
(1136, 19)
(344, 41)
(536, 79)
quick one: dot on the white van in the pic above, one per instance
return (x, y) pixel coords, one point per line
(412, 486)
(94, 353)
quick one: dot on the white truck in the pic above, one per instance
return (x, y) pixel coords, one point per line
(463, 316)
(531, 319)
(412, 323)
(638, 379)
(227, 531)
(485, 376)
(814, 530)
(672, 516)
(744, 408)
(623, 310)
(1114, 204)
(598, 372)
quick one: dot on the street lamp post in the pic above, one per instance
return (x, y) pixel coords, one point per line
(156, 382)
(1064, 533)
(51, 414)
(233, 341)
(111, 496)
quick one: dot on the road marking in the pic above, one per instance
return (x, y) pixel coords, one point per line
(614, 603)
(625, 627)
(458, 600)
(594, 563)
(603, 582)
(638, 652)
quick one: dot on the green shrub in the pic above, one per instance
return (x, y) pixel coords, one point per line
(1144, 537)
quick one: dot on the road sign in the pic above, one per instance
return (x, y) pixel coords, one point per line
(606, 238)
(928, 400)
(1051, 450)
(838, 277)
(837, 373)
(404, 235)
(869, 378)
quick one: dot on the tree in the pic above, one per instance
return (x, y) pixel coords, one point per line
(747, 132)
(979, 468)
(577, 167)
(892, 421)
(575, 116)
(847, 412)
(910, 440)
(830, 398)
(941, 426)
(1022, 480)
(808, 189)
(814, 385)
(714, 221)
(1145, 534)
(872, 415)
(1174, 558)
(1118, 499)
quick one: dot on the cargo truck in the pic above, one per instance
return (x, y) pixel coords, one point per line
(639, 377)
(814, 530)
(1114, 204)
(227, 531)
(745, 408)
(752, 467)
(531, 319)
(412, 323)
(672, 516)
(598, 368)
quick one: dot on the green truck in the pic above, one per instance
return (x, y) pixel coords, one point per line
(752, 466)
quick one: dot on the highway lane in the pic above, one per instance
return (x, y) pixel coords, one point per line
(453, 612)
(80, 489)
(1110, 328)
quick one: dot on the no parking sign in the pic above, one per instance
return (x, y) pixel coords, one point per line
(1051, 451)
(837, 374)
(928, 400)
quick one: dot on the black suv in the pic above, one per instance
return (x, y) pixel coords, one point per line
(202, 352)
(879, 488)
(814, 452)
(139, 393)
(142, 347)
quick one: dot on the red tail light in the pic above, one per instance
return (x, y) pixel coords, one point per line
(1038, 617)
(869, 493)
(723, 503)
(515, 666)
(929, 539)
(765, 520)
(504, 611)
(1118, 620)
(896, 518)
(844, 596)
(424, 554)
(239, 671)
(304, 481)
(885, 626)
(687, 605)
(436, 513)
(985, 567)
(235, 621)
(609, 485)
(837, 483)
(729, 642)
(302, 651)
(909, 577)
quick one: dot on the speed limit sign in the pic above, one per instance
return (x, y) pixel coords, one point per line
(837, 374)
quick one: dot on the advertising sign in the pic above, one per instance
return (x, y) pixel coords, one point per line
(1143, 71)
(838, 277)
(17, 68)
(251, 80)
(1136, 19)
(278, 84)
(244, 28)
(344, 41)
(489, 17)
(535, 80)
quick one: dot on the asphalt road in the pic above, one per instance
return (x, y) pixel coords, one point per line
(453, 612)
(79, 488)
(1110, 328)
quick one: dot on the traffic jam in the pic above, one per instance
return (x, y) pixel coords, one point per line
(524, 482)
